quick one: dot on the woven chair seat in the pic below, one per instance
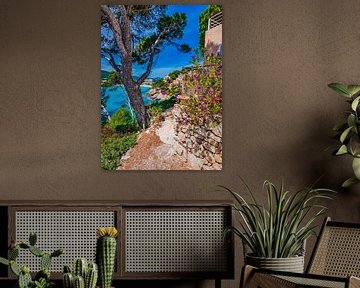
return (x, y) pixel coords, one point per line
(335, 262)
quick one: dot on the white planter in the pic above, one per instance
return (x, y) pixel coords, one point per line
(291, 264)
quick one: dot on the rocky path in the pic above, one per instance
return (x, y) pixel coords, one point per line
(155, 150)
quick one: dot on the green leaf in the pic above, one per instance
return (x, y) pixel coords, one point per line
(345, 134)
(356, 167)
(349, 182)
(340, 88)
(342, 150)
(4, 261)
(355, 103)
(351, 120)
(353, 89)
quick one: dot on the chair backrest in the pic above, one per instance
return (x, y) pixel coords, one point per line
(337, 251)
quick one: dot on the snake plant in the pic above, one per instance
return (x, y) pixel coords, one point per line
(280, 228)
(348, 132)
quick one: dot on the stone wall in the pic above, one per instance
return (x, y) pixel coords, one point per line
(200, 144)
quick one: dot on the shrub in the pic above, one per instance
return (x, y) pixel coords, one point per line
(203, 85)
(122, 121)
(163, 104)
(174, 74)
(155, 113)
(113, 147)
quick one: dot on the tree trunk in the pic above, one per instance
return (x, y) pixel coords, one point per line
(137, 103)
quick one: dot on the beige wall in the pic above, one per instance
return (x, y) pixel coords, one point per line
(213, 37)
(279, 56)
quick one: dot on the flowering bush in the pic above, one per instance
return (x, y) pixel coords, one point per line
(203, 90)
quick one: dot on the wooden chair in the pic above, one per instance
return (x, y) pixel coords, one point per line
(334, 263)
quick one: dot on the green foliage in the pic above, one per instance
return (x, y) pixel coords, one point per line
(122, 121)
(43, 283)
(113, 147)
(174, 74)
(279, 229)
(155, 113)
(42, 278)
(163, 104)
(112, 79)
(159, 84)
(203, 23)
(203, 89)
(349, 131)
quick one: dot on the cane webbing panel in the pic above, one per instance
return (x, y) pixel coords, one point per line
(338, 252)
(74, 231)
(313, 282)
(175, 241)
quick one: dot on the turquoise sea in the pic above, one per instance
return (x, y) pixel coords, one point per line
(118, 97)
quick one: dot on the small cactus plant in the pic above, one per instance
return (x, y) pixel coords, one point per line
(42, 278)
(85, 275)
(106, 254)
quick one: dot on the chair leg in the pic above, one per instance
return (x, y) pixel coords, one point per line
(246, 273)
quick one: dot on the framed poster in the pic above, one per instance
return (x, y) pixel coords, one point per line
(161, 87)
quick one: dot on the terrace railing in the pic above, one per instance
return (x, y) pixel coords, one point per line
(215, 20)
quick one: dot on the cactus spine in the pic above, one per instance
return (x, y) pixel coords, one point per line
(84, 275)
(106, 254)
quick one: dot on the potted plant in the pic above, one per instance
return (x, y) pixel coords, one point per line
(276, 233)
(348, 133)
(42, 278)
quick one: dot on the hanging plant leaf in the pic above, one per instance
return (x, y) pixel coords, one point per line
(342, 150)
(340, 88)
(349, 182)
(356, 167)
(345, 134)
(355, 103)
(353, 89)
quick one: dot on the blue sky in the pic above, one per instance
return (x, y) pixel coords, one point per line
(170, 59)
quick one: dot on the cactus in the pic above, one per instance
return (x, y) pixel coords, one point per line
(23, 273)
(36, 251)
(13, 253)
(24, 280)
(45, 261)
(32, 238)
(91, 276)
(68, 280)
(106, 254)
(87, 272)
(80, 268)
(79, 282)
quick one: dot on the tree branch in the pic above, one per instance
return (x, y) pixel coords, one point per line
(111, 60)
(115, 27)
(151, 59)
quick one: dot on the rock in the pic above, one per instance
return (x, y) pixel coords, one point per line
(217, 130)
(181, 136)
(209, 147)
(194, 161)
(214, 137)
(210, 158)
(216, 166)
(218, 158)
